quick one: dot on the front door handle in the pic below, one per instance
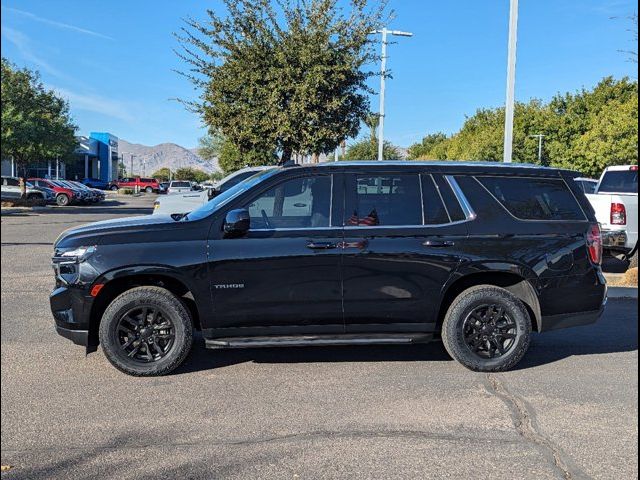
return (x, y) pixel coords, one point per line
(321, 245)
(438, 243)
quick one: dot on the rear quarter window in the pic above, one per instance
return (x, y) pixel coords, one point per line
(534, 198)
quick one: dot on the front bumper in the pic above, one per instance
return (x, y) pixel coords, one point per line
(71, 309)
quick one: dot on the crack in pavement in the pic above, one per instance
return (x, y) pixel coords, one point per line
(526, 425)
(305, 436)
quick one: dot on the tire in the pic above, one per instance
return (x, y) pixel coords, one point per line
(633, 261)
(114, 188)
(34, 196)
(148, 190)
(62, 199)
(114, 341)
(460, 327)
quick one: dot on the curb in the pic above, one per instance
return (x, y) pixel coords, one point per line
(623, 292)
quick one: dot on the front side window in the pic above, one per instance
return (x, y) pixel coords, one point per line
(384, 200)
(534, 198)
(303, 202)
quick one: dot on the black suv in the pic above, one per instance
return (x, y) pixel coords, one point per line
(476, 254)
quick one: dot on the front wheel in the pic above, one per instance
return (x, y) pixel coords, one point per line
(146, 331)
(114, 188)
(487, 329)
(62, 200)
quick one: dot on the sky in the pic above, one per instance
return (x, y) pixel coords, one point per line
(115, 62)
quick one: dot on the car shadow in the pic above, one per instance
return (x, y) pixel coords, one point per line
(616, 331)
(614, 265)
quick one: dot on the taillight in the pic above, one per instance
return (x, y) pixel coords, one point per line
(618, 214)
(594, 243)
(633, 168)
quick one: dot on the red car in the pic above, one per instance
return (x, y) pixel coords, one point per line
(147, 184)
(64, 195)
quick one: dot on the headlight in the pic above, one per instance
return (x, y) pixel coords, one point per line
(78, 254)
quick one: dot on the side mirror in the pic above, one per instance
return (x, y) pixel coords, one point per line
(213, 192)
(236, 223)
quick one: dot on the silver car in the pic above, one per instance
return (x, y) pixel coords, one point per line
(10, 190)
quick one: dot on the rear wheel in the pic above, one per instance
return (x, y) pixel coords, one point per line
(146, 331)
(62, 199)
(148, 190)
(487, 329)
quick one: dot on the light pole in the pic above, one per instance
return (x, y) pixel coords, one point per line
(383, 71)
(511, 82)
(539, 136)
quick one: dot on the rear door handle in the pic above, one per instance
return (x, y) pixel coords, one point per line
(438, 243)
(321, 245)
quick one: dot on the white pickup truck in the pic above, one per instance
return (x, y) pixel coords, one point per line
(615, 202)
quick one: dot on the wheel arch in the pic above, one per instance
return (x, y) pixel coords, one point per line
(118, 281)
(517, 283)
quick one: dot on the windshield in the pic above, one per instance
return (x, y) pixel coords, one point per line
(619, 181)
(228, 195)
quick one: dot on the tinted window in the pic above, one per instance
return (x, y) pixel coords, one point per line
(450, 200)
(11, 182)
(297, 203)
(534, 198)
(148, 180)
(619, 181)
(384, 200)
(181, 185)
(235, 180)
(587, 187)
(434, 210)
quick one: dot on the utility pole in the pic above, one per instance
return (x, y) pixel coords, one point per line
(511, 82)
(383, 73)
(539, 136)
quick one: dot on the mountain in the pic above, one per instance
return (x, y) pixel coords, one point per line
(147, 160)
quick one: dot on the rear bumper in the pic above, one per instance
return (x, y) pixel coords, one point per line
(568, 320)
(615, 240)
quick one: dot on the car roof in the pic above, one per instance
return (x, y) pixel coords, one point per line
(452, 166)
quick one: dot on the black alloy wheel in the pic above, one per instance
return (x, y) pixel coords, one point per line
(489, 331)
(146, 333)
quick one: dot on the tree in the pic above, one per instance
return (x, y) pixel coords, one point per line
(36, 123)
(586, 131)
(210, 145)
(163, 174)
(191, 174)
(368, 150)
(425, 149)
(122, 170)
(231, 159)
(289, 81)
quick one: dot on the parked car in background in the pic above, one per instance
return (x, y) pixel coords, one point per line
(615, 202)
(83, 195)
(64, 195)
(587, 185)
(179, 186)
(95, 195)
(184, 203)
(96, 183)
(142, 184)
(163, 187)
(10, 190)
(479, 255)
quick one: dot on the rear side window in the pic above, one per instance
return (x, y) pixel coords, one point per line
(619, 181)
(383, 200)
(534, 198)
(148, 180)
(435, 212)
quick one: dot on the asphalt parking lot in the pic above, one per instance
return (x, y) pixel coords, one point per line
(569, 411)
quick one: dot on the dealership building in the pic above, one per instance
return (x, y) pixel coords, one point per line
(96, 156)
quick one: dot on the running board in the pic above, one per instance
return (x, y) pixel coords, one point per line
(317, 340)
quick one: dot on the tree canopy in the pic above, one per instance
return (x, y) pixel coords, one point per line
(192, 174)
(585, 131)
(36, 123)
(163, 174)
(285, 79)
